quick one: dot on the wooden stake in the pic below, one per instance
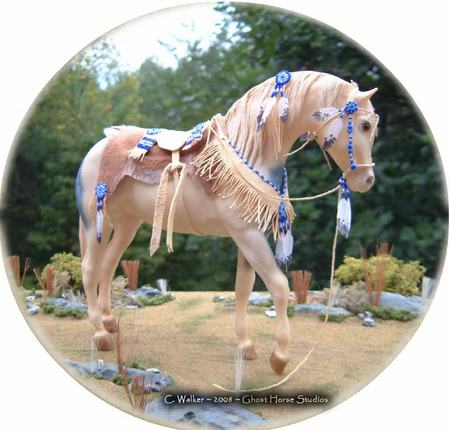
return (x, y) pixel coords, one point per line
(131, 270)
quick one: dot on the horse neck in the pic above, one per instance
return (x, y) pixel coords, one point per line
(279, 137)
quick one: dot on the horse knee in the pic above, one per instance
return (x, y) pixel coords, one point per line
(279, 289)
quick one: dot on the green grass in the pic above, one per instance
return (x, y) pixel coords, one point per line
(189, 303)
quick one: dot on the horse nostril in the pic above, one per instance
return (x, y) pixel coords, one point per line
(370, 180)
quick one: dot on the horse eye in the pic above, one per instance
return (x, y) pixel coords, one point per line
(366, 125)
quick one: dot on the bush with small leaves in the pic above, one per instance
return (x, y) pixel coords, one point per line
(66, 262)
(332, 317)
(399, 276)
(389, 313)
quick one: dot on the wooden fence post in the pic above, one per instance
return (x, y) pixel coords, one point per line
(301, 280)
(131, 270)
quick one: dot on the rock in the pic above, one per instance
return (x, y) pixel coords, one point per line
(368, 322)
(133, 306)
(63, 303)
(153, 381)
(217, 299)
(223, 416)
(32, 309)
(144, 291)
(271, 313)
(319, 308)
(413, 304)
(259, 299)
(365, 314)
(30, 298)
(230, 305)
(428, 287)
(153, 370)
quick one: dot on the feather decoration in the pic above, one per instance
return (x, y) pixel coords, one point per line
(283, 108)
(99, 224)
(344, 216)
(324, 113)
(266, 108)
(284, 247)
(332, 133)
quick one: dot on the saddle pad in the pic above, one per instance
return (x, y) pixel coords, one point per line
(115, 163)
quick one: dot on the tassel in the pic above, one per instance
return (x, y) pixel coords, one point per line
(99, 225)
(138, 153)
(344, 216)
(284, 247)
(283, 108)
(266, 108)
(100, 192)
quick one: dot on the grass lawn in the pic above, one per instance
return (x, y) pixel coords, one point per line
(192, 339)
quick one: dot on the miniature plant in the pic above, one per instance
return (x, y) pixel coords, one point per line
(399, 276)
(66, 262)
(389, 313)
(332, 317)
(155, 301)
(290, 310)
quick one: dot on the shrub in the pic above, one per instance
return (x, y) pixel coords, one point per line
(389, 313)
(69, 263)
(290, 310)
(155, 301)
(399, 277)
(332, 317)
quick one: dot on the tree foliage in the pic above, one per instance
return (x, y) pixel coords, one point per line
(406, 206)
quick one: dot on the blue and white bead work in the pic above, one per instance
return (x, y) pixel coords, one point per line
(147, 142)
(196, 134)
(281, 79)
(101, 190)
(285, 240)
(344, 211)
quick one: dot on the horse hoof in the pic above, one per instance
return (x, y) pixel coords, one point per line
(110, 323)
(249, 352)
(278, 362)
(103, 341)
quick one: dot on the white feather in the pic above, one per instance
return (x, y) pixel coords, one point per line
(268, 105)
(332, 133)
(137, 153)
(325, 113)
(344, 216)
(284, 247)
(283, 108)
(99, 225)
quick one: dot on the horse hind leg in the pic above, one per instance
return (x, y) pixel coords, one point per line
(245, 278)
(90, 268)
(124, 233)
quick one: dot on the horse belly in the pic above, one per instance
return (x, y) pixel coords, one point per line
(195, 214)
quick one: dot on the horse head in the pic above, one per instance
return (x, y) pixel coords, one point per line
(347, 135)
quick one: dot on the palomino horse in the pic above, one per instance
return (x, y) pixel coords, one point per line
(208, 213)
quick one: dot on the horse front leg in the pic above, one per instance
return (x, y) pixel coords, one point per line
(245, 278)
(256, 250)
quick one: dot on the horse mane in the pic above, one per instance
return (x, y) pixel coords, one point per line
(324, 89)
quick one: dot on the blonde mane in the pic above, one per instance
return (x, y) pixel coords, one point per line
(304, 89)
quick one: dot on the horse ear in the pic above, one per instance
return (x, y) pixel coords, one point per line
(365, 95)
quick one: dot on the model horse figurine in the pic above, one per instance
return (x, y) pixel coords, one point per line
(229, 180)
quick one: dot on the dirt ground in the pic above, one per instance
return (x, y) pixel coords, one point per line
(192, 339)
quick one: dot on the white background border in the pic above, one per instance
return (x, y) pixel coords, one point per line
(410, 38)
